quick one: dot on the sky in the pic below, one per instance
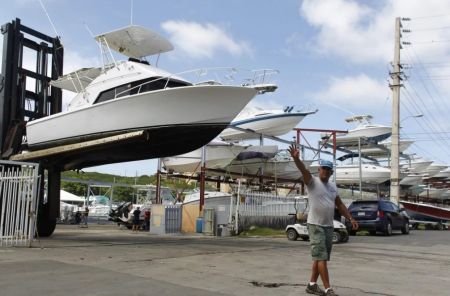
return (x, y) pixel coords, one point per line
(333, 55)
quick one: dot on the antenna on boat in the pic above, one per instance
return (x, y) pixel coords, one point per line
(56, 32)
(49, 19)
(131, 16)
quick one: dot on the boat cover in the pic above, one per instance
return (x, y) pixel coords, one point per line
(135, 42)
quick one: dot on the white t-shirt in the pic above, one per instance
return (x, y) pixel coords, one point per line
(321, 199)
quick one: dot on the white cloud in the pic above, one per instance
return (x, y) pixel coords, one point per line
(355, 92)
(364, 34)
(203, 41)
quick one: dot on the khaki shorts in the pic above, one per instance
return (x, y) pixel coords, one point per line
(321, 240)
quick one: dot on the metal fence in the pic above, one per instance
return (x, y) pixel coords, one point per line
(19, 191)
(173, 218)
(268, 210)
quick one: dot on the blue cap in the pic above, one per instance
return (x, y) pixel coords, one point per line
(326, 163)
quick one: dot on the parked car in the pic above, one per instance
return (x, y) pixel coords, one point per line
(378, 215)
(294, 231)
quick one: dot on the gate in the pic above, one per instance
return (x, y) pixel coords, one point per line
(19, 191)
(173, 219)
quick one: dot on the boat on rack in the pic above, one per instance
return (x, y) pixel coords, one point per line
(364, 130)
(444, 174)
(280, 166)
(433, 170)
(431, 192)
(384, 148)
(416, 165)
(348, 174)
(412, 179)
(218, 155)
(426, 212)
(177, 115)
(275, 122)
(212, 198)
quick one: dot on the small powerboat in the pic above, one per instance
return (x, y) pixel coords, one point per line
(260, 121)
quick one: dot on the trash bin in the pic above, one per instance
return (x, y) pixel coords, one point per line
(199, 225)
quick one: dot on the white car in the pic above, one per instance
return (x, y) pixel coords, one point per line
(294, 231)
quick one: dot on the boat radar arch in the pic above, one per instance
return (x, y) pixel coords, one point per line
(359, 118)
(135, 42)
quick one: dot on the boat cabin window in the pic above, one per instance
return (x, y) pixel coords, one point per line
(137, 87)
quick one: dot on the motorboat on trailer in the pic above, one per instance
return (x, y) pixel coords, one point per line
(120, 97)
(218, 154)
(426, 212)
(275, 122)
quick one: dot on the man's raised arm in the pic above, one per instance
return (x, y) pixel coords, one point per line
(293, 150)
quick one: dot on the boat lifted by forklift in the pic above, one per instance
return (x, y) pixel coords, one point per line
(176, 115)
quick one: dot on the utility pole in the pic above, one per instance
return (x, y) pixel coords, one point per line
(395, 86)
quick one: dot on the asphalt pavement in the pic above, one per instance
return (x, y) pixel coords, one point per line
(105, 260)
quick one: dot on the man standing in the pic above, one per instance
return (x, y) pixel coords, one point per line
(136, 219)
(147, 219)
(323, 199)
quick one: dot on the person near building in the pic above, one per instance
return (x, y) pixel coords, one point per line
(136, 219)
(147, 219)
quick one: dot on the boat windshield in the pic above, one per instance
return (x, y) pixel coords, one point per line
(138, 87)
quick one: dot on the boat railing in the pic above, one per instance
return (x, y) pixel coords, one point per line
(309, 108)
(213, 76)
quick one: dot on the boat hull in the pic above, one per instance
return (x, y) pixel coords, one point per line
(217, 157)
(426, 212)
(154, 143)
(377, 133)
(275, 168)
(370, 174)
(273, 125)
(170, 108)
(411, 179)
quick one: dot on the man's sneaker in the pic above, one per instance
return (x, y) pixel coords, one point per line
(330, 292)
(314, 289)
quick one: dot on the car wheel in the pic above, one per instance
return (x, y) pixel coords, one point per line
(388, 228)
(344, 237)
(336, 237)
(291, 234)
(405, 228)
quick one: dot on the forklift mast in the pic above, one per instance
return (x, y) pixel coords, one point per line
(26, 94)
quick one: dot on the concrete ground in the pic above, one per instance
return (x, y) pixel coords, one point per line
(104, 260)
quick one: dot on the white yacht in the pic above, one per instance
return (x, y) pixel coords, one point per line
(348, 174)
(123, 96)
(365, 129)
(268, 122)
